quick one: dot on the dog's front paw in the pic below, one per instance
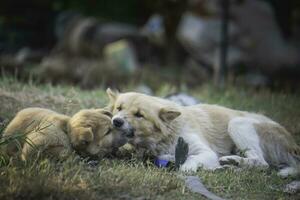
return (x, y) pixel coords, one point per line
(167, 157)
(189, 167)
(287, 171)
(230, 160)
(225, 167)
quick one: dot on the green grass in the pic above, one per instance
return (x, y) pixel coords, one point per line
(43, 178)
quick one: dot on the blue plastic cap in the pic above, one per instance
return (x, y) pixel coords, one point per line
(161, 163)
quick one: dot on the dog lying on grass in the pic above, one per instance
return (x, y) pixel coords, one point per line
(92, 133)
(38, 129)
(212, 132)
(34, 130)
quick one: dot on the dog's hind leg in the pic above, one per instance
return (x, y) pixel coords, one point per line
(245, 137)
(287, 171)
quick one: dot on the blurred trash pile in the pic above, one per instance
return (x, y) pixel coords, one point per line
(255, 40)
(90, 52)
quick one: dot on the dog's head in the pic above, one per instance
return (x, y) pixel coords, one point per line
(146, 120)
(92, 134)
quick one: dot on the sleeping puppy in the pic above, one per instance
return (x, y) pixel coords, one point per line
(34, 130)
(212, 133)
(92, 134)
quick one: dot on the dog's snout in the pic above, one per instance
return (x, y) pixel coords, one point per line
(130, 133)
(118, 122)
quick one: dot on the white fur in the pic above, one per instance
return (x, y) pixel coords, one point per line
(287, 171)
(243, 134)
(200, 154)
(212, 133)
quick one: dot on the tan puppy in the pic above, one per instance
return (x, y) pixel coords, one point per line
(92, 133)
(212, 132)
(43, 130)
(89, 131)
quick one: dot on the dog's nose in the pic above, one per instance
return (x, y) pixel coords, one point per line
(118, 122)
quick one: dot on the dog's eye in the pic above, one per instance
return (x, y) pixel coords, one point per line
(119, 108)
(108, 132)
(84, 143)
(138, 115)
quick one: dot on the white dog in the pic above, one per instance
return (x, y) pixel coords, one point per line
(212, 132)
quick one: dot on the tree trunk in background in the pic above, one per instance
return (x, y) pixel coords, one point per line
(221, 69)
(283, 15)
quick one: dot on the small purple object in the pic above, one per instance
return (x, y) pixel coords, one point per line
(161, 163)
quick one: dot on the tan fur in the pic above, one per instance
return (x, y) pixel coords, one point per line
(285, 144)
(91, 132)
(205, 127)
(44, 130)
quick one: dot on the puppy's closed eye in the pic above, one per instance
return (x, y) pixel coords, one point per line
(84, 143)
(108, 132)
(138, 114)
(119, 108)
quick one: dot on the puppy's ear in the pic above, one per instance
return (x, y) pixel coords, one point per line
(168, 115)
(84, 135)
(112, 95)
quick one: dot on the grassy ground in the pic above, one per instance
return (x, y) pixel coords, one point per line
(132, 179)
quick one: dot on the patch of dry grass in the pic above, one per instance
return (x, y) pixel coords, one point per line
(75, 179)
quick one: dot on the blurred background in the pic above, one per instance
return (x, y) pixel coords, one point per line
(99, 43)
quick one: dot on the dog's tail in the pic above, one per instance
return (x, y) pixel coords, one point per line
(280, 148)
(292, 156)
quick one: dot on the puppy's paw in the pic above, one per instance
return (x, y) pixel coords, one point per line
(189, 167)
(225, 167)
(293, 187)
(167, 157)
(287, 171)
(230, 160)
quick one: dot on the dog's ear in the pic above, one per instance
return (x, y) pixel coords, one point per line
(168, 115)
(112, 95)
(87, 134)
(81, 136)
